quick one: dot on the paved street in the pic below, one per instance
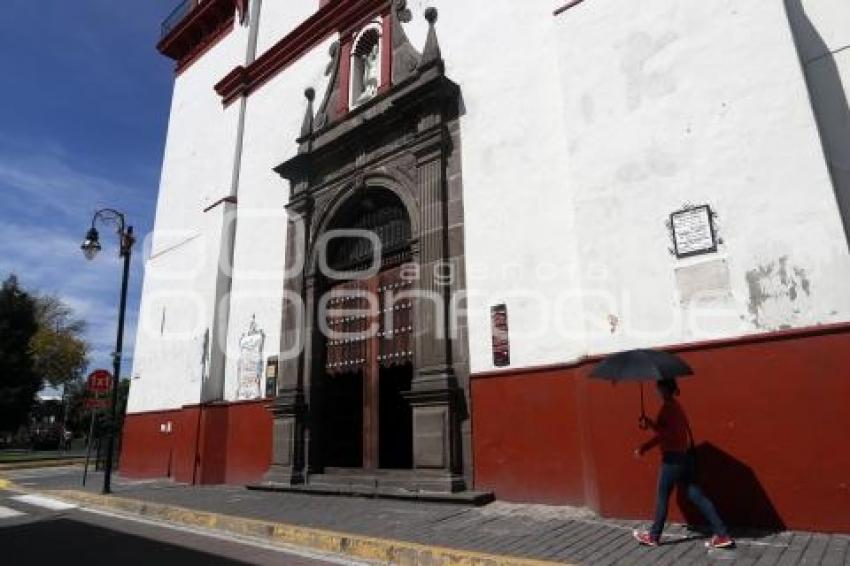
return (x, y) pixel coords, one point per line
(43, 531)
(560, 534)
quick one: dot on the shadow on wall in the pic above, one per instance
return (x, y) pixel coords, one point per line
(829, 102)
(734, 489)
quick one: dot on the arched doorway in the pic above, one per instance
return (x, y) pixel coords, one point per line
(366, 342)
(393, 405)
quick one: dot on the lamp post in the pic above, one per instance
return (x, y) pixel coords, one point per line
(91, 246)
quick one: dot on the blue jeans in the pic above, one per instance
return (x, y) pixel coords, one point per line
(678, 468)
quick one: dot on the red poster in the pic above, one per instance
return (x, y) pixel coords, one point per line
(501, 342)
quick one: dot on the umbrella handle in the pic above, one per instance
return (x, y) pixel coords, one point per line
(642, 424)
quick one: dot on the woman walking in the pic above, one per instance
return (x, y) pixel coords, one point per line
(673, 435)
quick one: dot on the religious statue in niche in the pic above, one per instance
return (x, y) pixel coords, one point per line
(370, 73)
(366, 67)
(250, 370)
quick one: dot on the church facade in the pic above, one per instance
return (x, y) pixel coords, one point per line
(394, 237)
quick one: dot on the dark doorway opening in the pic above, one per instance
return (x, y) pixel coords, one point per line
(368, 344)
(343, 419)
(395, 441)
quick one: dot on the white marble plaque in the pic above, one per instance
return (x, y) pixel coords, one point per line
(693, 231)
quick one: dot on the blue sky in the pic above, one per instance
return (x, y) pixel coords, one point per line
(83, 118)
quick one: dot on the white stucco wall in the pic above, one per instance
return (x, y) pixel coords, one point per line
(670, 103)
(273, 121)
(179, 290)
(580, 134)
(278, 18)
(519, 219)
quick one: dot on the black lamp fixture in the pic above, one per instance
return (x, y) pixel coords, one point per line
(91, 247)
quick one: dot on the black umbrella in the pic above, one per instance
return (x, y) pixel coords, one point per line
(641, 365)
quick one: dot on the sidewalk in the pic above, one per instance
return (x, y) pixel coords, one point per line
(15, 459)
(427, 533)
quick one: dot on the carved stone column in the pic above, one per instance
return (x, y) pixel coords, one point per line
(434, 388)
(289, 407)
(309, 372)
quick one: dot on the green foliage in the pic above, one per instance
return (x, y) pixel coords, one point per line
(40, 340)
(58, 350)
(18, 380)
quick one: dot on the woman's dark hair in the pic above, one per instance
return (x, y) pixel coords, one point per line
(668, 385)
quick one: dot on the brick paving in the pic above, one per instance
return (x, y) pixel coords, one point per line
(530, 531)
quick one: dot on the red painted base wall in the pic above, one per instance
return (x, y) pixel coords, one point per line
(770, 416)
(209, 444)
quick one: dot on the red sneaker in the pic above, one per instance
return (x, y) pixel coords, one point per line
(720, 542)
(645, 538)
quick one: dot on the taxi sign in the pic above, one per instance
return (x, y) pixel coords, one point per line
(100, 381)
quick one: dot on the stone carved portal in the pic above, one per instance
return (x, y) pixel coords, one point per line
(378, 394)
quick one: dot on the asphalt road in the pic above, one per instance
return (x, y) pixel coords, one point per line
(37, 531)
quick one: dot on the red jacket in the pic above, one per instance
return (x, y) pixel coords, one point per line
(672, 430)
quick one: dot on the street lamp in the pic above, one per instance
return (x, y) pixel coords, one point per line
(91, 247)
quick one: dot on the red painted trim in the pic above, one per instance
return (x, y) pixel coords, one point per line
(231, 200)
(344, 102)
(778, 335)
(333, 17)
(203, 47)
(566, 7)
(204, 26)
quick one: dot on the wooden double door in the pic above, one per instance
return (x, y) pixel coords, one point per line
(368, 367)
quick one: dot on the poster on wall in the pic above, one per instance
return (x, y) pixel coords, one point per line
(250, 371)
(271, 377)
(501, 343)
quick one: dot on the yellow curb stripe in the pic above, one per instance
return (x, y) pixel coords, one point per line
(355, 546)
(5, 484)
(4, 466)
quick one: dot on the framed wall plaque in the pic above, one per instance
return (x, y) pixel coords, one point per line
(272, 366)
(693, 231)
(501, 342)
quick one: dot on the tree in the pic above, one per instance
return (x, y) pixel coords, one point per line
(18, 380)
(58, 351)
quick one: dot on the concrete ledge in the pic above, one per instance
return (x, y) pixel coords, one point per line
(345, 544)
